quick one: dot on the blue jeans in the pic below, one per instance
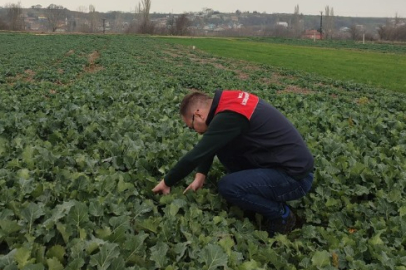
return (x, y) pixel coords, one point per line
(263, 191)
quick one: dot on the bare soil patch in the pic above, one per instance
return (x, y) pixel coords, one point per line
(295, 89)
(243, 76)
(70, 52)
(93, 67)
(172, 53)
(30, 75)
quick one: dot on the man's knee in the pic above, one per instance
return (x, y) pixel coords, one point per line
(227, 187)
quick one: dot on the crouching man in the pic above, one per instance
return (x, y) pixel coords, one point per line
(266, 159)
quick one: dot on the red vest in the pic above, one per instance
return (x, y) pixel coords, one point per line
(237, 101)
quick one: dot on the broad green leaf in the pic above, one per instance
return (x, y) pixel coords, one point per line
(251, 265)
(103, 259)
(27, 186)
(321, 258)
(23, 257)
(361, 190)
(120, 225)
(9, 226)
(24, 174)
(141, 208)
(64, 231)
(122, 185)
(27, 156)
(402, 211)
(54, 264)
(103, 233)
(180, 249)
(3, 145)
(394, 195)
(120, 222)
(158, 254)
(213, 256)
(31, 213)
(8, 260)
(167, 199)
(75, 264)
(39, 254)
(96, 209)
(227, 244)
(376, 239)
(36, 266)
(150, 224)
(134, 245)
(60, 211)
(56, 251)
(332, 202)
(79, 214)
(6, 213)
(94, 244)
(82, 233)
(117, 264)
(175, 206)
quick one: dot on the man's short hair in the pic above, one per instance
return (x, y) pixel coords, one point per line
(192, 100)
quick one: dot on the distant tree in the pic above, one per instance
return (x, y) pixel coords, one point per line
(146, 26)
(71, 27)
(392, 30)
(297, 23)
(170, 25)
(182, 24)
(385, 32)
(55, 15)
(82, 9)
(280, 31)
(355, 32)
(142, 23)
(94, 19)
(117, 21)
(401, 31)
(14, 17)
(329, 24)
(3, 24)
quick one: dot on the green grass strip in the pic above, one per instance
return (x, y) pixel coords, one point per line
(379, 70)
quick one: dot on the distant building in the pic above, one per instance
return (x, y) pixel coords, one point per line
(312, 34)
(283, 24)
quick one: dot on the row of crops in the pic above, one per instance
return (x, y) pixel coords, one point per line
(384, 47)
(89, 125)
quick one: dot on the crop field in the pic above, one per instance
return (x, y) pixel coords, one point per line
(376, 65)
(398, 48)
(89, 124)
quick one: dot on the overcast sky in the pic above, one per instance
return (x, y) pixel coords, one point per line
(353, 8)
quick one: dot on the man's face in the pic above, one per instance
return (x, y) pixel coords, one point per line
(196, 121)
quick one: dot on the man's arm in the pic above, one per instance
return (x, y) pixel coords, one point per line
(223, 129)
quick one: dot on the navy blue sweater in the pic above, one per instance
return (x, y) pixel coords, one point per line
(266, 140)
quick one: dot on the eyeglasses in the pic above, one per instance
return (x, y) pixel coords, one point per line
(192, 127)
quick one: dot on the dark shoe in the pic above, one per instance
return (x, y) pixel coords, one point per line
(281, 225)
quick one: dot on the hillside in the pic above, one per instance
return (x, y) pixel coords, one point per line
(211, 22)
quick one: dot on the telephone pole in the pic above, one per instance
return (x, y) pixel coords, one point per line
(321, 24)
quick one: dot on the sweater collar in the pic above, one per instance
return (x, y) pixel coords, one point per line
(214, 105)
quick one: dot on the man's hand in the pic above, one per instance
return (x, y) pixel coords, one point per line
(197, 183)
(162, 188)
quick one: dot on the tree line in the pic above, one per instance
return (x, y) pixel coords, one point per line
(57, 17)
(141, 21)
